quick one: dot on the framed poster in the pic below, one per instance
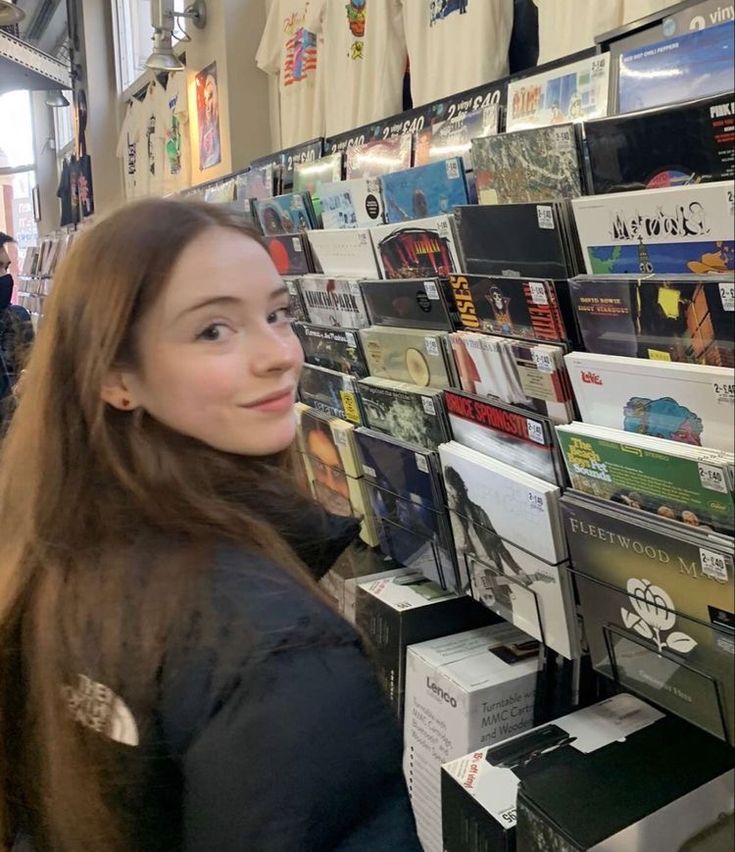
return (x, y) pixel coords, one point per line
(207, 95)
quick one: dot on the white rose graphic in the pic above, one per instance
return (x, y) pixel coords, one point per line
(653, 616)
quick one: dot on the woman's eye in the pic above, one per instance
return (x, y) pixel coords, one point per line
(281, 315)
(214, 332)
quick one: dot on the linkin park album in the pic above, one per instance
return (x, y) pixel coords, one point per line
(333, 302)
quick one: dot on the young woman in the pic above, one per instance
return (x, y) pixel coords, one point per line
(170, 676)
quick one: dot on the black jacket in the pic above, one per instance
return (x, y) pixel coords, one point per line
(281, 743)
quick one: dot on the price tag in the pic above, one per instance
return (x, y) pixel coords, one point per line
(428, 404)
(354, 288)
(350, 338)
(452, 169)
(340, 437)
(291, 287)
(421, 463)
(713, 564)
(349, 404)
(297, 244)
(727, 294)
(535, 501)
(724, 391)
(543, 360)
(369, 471)
(535, 432)
(538, 293)
(431, 346)
(431, 290)
(298, 202)
(545, 216)
(508, 817)
(712, 478)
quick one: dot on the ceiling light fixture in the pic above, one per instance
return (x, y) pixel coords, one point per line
(56, 99)
(10, 14)
(163, 18)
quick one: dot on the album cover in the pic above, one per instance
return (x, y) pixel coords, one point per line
(334, 348)
(295, 302)
(694, 64)
(514, 240)
(424, 248)
(503, 432)
(408, 303)
(504, 501)
(574, 92)
(415, 356)
(285, 214)
(686, 318)
(690, 403)
(668, 146)
(311, 176)
(257, 182)
(333, 302)
(356, 203)
(672, 230)
(344, 253)
(289, 254)
(379, 157)
(528, 374)
(453, 137)
(408, 412)
(521, 588)
(542, 164)
(650, 474)
(513, 307)
(423, 191)
(331, 392)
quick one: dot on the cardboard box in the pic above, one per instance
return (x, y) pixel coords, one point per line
(463, 691)
(399, 611)
(619, 775)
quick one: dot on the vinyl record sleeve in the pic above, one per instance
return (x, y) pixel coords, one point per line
(295, 302)
(510, 435)
(668, 146)
(423, 191)
(513, 307)
(290, 254)
(407, 303)
(574, 92)
(285, 214)
(256, 182)
(513, 240)
(682, 229)
(684, 318)
(333, 302)
(408, 412)
(334, 348)
(453, 137)
(311, 176)
(415, 356)
(379, 157)
(422, 248)
(690, 403)
(330, 392)
(356, 203)
(540, 165)
(344, 253)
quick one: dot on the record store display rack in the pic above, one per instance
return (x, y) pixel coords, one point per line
(518, 330)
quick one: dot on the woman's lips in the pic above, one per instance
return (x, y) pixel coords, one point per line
(274, 403)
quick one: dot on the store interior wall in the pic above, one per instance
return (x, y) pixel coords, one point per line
(44, 150)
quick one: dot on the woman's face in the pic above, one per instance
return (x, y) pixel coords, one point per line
(218, 359)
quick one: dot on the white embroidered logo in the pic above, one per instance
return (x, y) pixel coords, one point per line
(654, 616)
(97, 707)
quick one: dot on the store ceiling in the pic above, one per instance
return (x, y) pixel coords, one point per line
(45, 25)
(44, 29)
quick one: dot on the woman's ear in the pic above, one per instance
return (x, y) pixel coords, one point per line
(116, 391)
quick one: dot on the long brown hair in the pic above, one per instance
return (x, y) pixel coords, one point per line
(79, 482)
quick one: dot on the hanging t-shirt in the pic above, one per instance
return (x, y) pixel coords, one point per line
(362, 60)
(153, 140)
(568, 26)
(130, 150)
(172, 126)
(635, 9)
(63, 193)
(289, 50)
(455, 44)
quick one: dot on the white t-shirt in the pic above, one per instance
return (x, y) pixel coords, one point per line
(172, 127)
(455, 44)
(289, 50)
(635, 9)
(130, 146)
(361, 62)
(568, 26)
(152, 141)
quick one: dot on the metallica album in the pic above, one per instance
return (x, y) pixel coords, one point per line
(408, 303)
(541, 165)
(290, 254)
(687, 318)
(423, 248)
(408, 412)
(417, 356)
(513, 307)
(423, 191)
(333, 302)
(334, 348)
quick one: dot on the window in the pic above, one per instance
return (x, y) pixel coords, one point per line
(64, 125)
(134, 37)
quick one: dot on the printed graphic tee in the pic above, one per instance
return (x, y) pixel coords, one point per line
(172, 128)
(362, 60)
(455, 44)
(153, 140)
(568, 26)
(288, 50)
(130, 150)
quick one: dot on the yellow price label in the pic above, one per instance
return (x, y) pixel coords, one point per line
(349, 403)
